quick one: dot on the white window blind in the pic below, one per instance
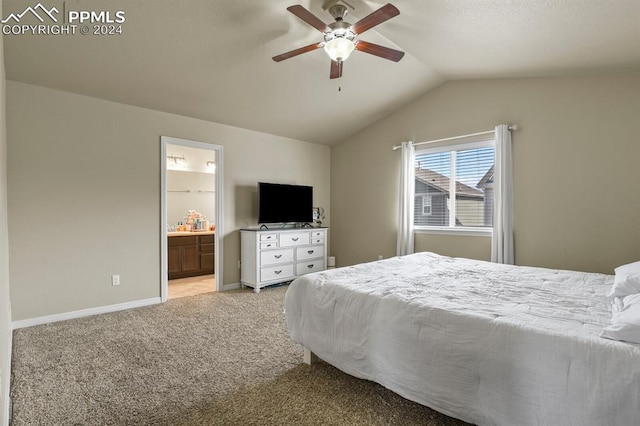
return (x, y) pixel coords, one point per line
(457, 181)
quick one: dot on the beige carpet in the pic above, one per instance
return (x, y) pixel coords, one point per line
(218, 358)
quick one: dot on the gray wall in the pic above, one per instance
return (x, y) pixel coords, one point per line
(5, 306)
(577, 204)
(84, 195)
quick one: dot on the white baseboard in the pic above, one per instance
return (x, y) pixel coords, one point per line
(232, 286)
(99, 310)
(84, 313)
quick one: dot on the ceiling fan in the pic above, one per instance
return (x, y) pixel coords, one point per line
(340, 36)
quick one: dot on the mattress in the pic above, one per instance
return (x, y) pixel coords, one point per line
(487, 343)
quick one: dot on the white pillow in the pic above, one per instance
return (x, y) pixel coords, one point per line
(626, 281)
(625, 323)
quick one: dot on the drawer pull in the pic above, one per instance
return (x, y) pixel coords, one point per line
(277, 256)
(310, 266)
(268, 245)
(310, 251)
(269, 237)
(278, 272)
(295, 239)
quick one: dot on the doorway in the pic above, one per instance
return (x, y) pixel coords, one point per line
(191, 217)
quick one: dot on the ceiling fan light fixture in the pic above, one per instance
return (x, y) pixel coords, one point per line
(340, 37)
(339, 48)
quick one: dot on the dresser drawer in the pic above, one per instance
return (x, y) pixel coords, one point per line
(268, 237)
(311, 252)
(270, 257)
(317, 240)
(273, 244)
(310, 266)
(294, 239)
(282, 272)
(317, 234)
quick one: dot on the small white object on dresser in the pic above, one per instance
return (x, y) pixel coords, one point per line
(272, 256)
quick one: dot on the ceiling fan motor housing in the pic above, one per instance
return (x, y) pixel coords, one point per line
(338, 11)
(339, 29)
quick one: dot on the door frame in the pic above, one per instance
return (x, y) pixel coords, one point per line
(219, 220)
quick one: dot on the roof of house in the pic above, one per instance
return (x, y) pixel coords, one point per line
(487, 179)
(441, 183)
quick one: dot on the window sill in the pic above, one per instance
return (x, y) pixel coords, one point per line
(470, 232)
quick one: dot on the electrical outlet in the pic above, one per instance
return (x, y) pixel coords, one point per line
(115, 279)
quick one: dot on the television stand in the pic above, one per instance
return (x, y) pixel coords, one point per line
(274, 256)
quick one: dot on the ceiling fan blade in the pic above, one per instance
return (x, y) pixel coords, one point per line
(336, 69)
(297, 52)
(309, 18)
(385, 13)
(381, 51)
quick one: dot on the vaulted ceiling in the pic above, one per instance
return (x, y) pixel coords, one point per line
(211, 59)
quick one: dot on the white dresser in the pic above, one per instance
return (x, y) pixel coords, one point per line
(276, 256)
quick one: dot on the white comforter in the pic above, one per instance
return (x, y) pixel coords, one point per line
(486, 343)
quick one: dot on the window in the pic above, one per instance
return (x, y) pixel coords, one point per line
(454, 187)
(422, 205)
(426, 205)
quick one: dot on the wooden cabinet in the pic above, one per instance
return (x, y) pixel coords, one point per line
(190, 256)
(276, 256)
(207, 254)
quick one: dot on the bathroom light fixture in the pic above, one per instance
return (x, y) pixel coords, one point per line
(180, 161)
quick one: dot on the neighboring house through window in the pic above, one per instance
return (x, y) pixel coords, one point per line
(454, 187)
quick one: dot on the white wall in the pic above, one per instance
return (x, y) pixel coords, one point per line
(84, 195)
(200, 195)
(576, 174)
(5, 305)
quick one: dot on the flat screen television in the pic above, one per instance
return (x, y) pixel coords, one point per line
(279, 203)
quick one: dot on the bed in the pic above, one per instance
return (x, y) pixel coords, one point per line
(486, 343)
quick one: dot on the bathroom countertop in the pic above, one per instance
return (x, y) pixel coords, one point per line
(189, 233)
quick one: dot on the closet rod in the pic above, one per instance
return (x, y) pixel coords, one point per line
(511, 127)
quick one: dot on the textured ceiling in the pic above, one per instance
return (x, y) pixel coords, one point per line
(212, 59)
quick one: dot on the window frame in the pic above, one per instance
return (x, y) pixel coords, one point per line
(424, 197)
(452, 229)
